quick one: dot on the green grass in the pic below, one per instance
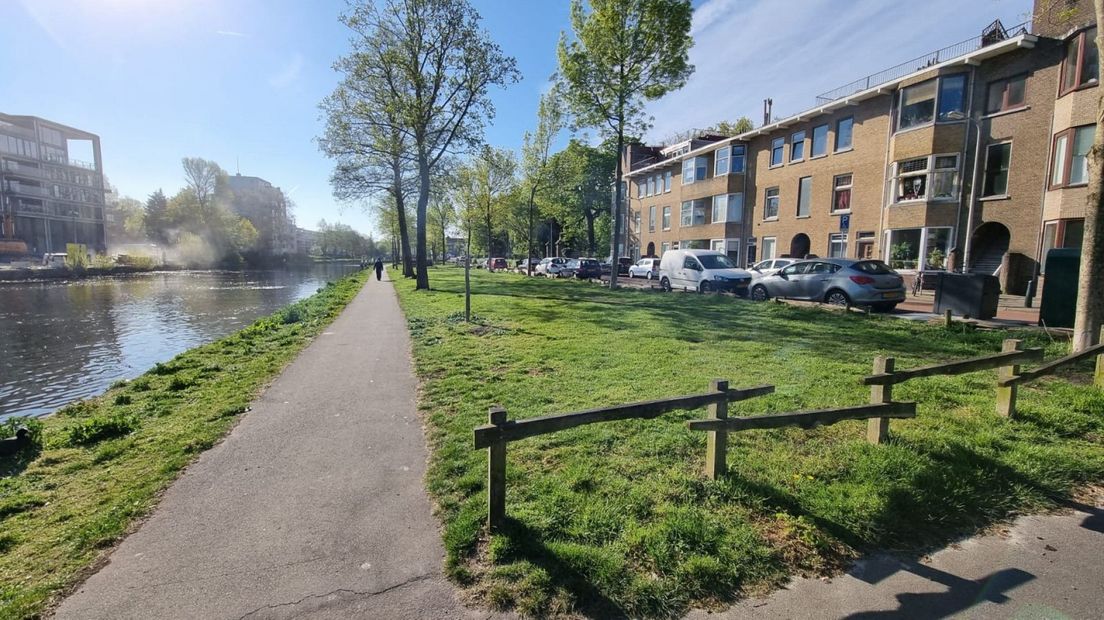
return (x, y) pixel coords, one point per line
(98, 465)
(616, 519)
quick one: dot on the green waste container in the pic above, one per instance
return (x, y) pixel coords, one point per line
(1060, 287)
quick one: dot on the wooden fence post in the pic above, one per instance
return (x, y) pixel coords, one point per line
(1006, 396)
(496, 474)
(1099, 380)
(716, 442)
(947, 320)
(877, 429)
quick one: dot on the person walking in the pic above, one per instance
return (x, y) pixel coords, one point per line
(379, 268)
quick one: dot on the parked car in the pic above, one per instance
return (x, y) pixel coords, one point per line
(702, 271)
(554, 267)
(54, 259)
(606, 266)
(586, 268)
(519, 265)
(839, 281)
(623, 265)
(498, 264)
(769, 267)
(645, 268)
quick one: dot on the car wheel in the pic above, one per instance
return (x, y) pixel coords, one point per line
(665, 285)
(759, 293)
(650, 275)
(705, 287)
(837, 297)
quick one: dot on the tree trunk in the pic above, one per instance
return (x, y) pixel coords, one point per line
(529, 256)
(423, 202)
(1090, 281)
(592, 243)
(490, 230)
(467, 280)
(614, 254)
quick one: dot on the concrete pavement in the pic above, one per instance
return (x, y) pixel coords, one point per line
(313, 506)
(1045, 566)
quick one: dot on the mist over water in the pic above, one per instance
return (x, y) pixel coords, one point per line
(63, 341)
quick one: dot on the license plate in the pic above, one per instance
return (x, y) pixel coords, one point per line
(889, 295)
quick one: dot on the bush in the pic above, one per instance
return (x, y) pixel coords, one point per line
(9, 426)
(97, 428)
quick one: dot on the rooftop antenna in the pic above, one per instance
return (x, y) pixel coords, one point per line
(237, 164)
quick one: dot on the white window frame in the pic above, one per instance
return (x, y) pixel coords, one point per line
(928, 173)
(696, 165)
(651, 218)
(664, 246)
(836, 188)
(812, 142)
(835, 139)
(721, 156)
(809, 197)
(840, 240)
(764, 243)
(778, 144)
(794, 142)
(667, 182)
(936, 101)
(695, 207)
(666, 215)
(767, 199)
(921, 257)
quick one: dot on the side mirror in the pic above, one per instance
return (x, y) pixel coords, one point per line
(783, 275)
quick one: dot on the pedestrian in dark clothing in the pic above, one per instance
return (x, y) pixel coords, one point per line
(379, 269)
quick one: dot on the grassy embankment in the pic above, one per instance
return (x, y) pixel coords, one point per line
(617, 519)
(103, 462)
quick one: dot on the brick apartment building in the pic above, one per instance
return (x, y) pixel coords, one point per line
(972, 158)
(49, 197)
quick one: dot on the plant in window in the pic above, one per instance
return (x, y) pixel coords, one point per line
(900, 255)
(935, 259)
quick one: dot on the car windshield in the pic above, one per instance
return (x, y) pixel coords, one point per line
(589, 262)
(716, 261)
(875, 267)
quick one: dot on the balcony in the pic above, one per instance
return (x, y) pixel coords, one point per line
(27, 190)
(11, 167)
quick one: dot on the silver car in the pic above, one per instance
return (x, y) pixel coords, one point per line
(769, 267)
(645, 268)
(838, 281)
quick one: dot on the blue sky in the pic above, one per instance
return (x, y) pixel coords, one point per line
(238, 81)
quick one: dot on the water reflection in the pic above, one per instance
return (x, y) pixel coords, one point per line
(60, 342)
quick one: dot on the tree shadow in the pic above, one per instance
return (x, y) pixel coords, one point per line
(961, 593)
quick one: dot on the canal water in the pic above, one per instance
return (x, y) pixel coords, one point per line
(64, 341)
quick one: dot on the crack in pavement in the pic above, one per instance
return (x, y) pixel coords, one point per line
(340, 590)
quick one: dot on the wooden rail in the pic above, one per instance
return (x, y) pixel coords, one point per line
(985, 362)
(1050, 367)
(807, 419)
(495, 435)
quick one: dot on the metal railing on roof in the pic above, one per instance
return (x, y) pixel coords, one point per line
(993, 34)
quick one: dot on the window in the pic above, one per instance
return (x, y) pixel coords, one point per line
(904, 245)
(717, 245)
(770, 204)
(767, 251)
(864, 242)
(820, 141)
(927, 178)
(778, 147)
(797, 146)
(952, 98)
(694, 169)
(651, 186)
(720, 158)
(737, 163)
(693, 213)
(997, 158)
(667, 181)
(844, 126)
(841, 193)
(728, 207)
(918, 102)
(663, 247)
(837, 245)
(1007, 94)
(804, 196)
(666, 218)
(1071, 156)
(636, 222)
(1080, 65)
(651, 218)
(641, 189)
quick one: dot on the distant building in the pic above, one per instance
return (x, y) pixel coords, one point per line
(305, 240)
(265, 207)
(455, 246)
(47, 198)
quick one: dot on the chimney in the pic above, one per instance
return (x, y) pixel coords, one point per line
(767, 105)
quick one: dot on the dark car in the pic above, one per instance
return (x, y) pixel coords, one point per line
(623, 265)
(587, 268)
(496, 264)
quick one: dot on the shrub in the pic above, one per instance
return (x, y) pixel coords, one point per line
(9, 426)
(97, 428)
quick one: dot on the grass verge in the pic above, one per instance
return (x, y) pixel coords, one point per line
(616, 519)
(98, 465)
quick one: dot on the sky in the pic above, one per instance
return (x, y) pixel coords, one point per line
(239, 81)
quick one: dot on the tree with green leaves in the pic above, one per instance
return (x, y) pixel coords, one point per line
(157, 217)
(536, 151)
(438, 64)
(580, 191)
(623, 53)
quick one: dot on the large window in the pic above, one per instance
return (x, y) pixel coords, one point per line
(693, 213)
(768, 245)
(770, 203)
(728, 207)
(926, 178)
(720, 159)
(837, 245)
(694, 169)
(651, 218)
(667, 181)
(641, 188)
(797, 146)
(778, 150)
(997, 159)
(919, 103)
(1080, 65)
(1062, 234)
(1006, 94)
(804, 196)
(841, 193)
(666, 218)
(737, 165)
(820, 141)
(917, 248)
(651, 186)
(844, 127)
(1071, 156)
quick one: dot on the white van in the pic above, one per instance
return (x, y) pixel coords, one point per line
(702, 271)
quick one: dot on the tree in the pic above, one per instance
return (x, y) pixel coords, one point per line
(203, 177)
(624, 53)
(1089, 313)
(125, 220)
(725, 128)
(535, 153)
(483, 186)
(580, 190)
(438, 64)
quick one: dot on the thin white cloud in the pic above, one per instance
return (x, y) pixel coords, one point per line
(289, 73)
(231, 33)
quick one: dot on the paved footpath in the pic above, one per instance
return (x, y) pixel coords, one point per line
(312, 507)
